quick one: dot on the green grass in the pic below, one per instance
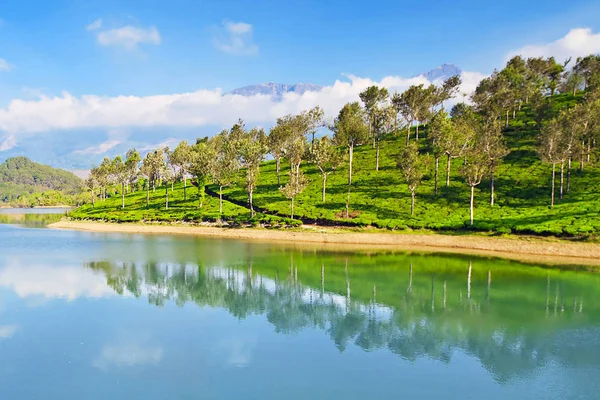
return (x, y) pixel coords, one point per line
(179, 210)
(381, 199)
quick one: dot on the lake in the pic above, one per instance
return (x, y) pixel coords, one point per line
(112, 316)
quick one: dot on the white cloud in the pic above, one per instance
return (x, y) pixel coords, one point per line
(235, 38)
(8, 143)
(4, 65)
(192, 109)
(576, 43)
(7, 331)
(127, 355)
(97, 24)
(128, 37)
(115, 138)
(65, 282)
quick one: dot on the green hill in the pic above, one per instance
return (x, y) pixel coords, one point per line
(381, 198)
(26, 183)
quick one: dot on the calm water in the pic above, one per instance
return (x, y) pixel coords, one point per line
(109, 316)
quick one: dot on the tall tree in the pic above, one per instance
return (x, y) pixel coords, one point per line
(412, 166)
(180, 158)
(491, 142)
(383, 122)
(252, 148)
(473, 171)
(120, 176)
(551, 149)
(327, 158)
(226, 162)
(153, 168)
(372, 99)
(296, 184)
(278, 137)
(350, 130)
(132, 163)
(201, 167)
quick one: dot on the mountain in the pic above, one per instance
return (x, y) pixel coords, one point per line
(276, 90)
(444, 71)
(20, 176)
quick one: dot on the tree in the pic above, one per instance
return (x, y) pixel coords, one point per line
(551, 150)
(91, 183)
(473, 171)
(349, 131)
(452, 137)
(180, 160)
(252, 148)
(412, 166)
(384, 121)
(201, 166)
(132, 161)
(314, 119)
(491, 142)
(327, 158)
(278, 137)
(296, 185)
(153, 168)
(372, 98)
(410, 104)
(225, 164)
(448, 90)
(120, 176)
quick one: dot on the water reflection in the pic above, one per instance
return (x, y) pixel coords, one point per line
(514, 321)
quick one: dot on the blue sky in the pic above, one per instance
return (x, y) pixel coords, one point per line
(151, 47)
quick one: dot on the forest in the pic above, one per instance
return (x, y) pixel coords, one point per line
(24, 183)
(518, 156)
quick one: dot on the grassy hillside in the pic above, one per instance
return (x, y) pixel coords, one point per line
(27, 183)
(382, 199)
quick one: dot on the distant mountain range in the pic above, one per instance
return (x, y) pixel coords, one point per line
(277, 90)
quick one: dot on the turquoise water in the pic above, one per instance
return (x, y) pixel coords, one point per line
(110, 316)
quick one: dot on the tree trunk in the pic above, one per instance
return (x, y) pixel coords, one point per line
(562, 178)
(348, 203)
(437, 168)
(250, 201)
(417, 131)
(172, 186)
(122, 195)
(324, 183)
(93, 199)
(472, 195)
(589, 149)
(569, 174)
(507, 111)
(492, 187)
(514, 113)
(184, 188)
(278, 170)
(292, 209)
(377, 156)
(351, 154)
(220, 199)
(412, 202)
(581, 156)
(408, 134)
(552, 194)
(147, 194)
(167, 196)
(448, 171)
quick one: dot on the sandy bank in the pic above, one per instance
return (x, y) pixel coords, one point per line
(522, 249)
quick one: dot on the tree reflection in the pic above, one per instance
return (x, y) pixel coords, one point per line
(512, 336)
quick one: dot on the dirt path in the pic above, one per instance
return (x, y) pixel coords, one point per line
(522, 249)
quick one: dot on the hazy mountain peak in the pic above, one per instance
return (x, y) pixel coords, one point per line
(444, 71)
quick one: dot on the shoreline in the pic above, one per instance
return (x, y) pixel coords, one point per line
(531, 250)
